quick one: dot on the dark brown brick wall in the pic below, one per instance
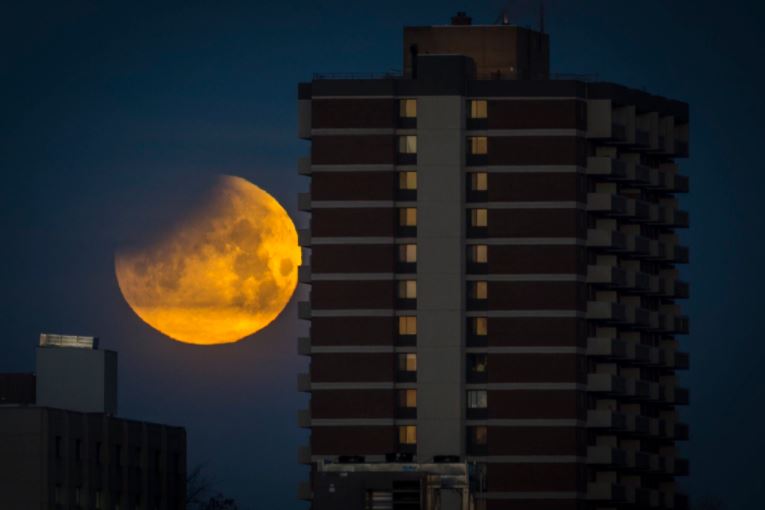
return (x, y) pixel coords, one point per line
(353, 404)
(354, 222)
(353, 258)
(354, 113)
(551, 259)
(536, 441)
(534, 477)
(353, 330)
(536, 404)
(353, 149)
(537, 223)
(353, 185)
(519, 368)
(537, 331)
(328, 295)
(353, 440)
(537, 150)
(537, 296)
(537, 186)
(347, 367)
(538, 114)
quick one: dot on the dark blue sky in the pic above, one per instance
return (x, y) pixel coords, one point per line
(113, 116)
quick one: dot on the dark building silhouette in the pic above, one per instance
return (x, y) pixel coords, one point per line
(493, 250)
(62, 447)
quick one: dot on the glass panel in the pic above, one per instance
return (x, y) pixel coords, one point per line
(477, 399)
(479, 217)
(407, 434)
(407, 325)
(480, 181)
(407, 253)
(408, 217)
(407, 289)
(478, 109)
(407, 398)
(408, 108)
(480, 290)
(407, 362)
(478, 145)
(407, 144)
(480, 326)
(479, 253)
(407, 180)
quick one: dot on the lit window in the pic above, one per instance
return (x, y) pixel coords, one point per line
(407, 434)
(478, 145)
(407, 108)
(476, 399)
(407, 144)
(479, 181)
(407, 180)
(407, 325)
(478, 435)
(407, 253)
(407, 289)
(407, 398)
(477, 363)
(479, 253)
(407, 362)
(407, 217)
(479, 217)
(480, 326)
(478, 109)
(479, 290)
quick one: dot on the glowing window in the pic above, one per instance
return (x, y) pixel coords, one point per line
(479, 253)
(407, 289)
(478, 435)
(407, 180)
(477, 399)
(480, 326)
(479, 290)
(407, 398)
(407, 325)
(407, 362)
(479, 217)
(407, 434)
(407, 108)
(477, 363)
(479, 181)
(407, 144)
(407, 253)
(407, 217)
(478, 109)
(478, 145)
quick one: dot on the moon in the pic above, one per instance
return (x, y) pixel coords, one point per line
(224, 272)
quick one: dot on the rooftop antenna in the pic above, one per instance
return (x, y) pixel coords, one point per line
(503, 18)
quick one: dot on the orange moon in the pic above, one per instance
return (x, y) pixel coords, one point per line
(223, 273)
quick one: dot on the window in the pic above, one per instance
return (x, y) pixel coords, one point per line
(478, 109)
(407, 108)
(407, 325)
(407, 180)
(407, 362)
(407, 217)
(479, 218)
(476, 399)
(407, 289)
(477, 436)
(480, 326)
(479, 290)
(479, 253)
(477, 145)
(407, 434)
(407, 398)
(407, 253)
(477, 363)
(479, 181)
(407, 144)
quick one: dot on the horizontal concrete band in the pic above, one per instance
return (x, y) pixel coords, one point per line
(494, 277)
(389, 422)
(494, 241)
(489, 386)
(556, 132)
(493, 98)
(486, 459)
(488, 313)
(526, 423)
(387, 167)
(351, 349)
(362, 386)
(530, 495)
(353, 422)
(381, 204)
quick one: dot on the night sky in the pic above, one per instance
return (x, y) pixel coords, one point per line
(114, 117)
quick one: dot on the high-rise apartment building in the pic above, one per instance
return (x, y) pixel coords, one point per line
(493, 250)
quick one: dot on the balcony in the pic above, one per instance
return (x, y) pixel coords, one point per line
(678, 396)
(606, 347)
(604, 491)
(675, 218)
(304, 491)
(639, 210)
(606, 383)
(641, 246)
(304, 455)
(679, 184)
(304, 382)
(606, 311)
(607, 203)
(304, 201)
(609, 276)
(606, 455)
(638, 174)
(678, 466)
(304, 310)
(676, 253)
(679, 431)
(304, 237)
(597, 419)
(304, 165)
(304, 418)
(608, 240)
(606, 167)
(304, 274)
(304, 346)
(638, 425)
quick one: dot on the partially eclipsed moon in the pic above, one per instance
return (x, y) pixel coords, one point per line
(224, 273)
